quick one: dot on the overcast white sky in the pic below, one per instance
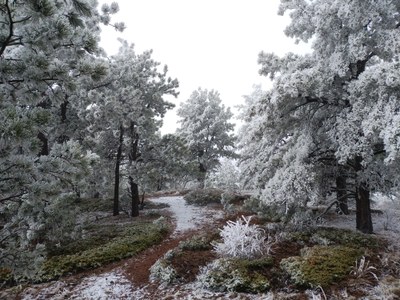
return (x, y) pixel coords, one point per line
(213, 44)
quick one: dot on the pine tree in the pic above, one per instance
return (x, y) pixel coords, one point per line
(206, 129)
(338, 103)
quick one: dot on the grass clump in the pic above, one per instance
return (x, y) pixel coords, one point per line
(202, 197)
(321, 265)
(237, 275)
(130, 242)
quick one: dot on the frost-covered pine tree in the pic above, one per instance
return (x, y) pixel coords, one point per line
(48, 52)
(205, 126)
(340, 102)
(168, 164)
(126, 113)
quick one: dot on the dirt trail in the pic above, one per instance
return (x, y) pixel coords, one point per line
(129, 278)
(137, 269)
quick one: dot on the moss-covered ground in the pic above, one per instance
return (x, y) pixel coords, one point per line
(106, 246)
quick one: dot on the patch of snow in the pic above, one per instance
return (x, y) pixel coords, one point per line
(111, 285)
(105, 286)
(187, 216)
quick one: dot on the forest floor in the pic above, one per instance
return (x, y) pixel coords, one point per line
(129, 278)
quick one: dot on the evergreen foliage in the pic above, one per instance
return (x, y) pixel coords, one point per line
(206, 130)
(332, 115)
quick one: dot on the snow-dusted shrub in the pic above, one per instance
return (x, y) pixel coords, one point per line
(270, 212)
(202, 197)
(241, 239)
(299, 218)
(225, 176)
(227, 200)
(235, 275)
(161, 223)
(231, 200)
(162, 271)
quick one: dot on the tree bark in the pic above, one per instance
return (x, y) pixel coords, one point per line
(63, 111)
(363, 217)
(135, 200)
(341, 193)
(133, 157)
(202, 175)
(116, 173)
(363, 202)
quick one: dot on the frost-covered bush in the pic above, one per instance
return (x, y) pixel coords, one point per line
(182, 263)
(271, 212)
(162, 271)
(226, 176)
(241, 239)
(232, 200)
(202, 197)
(235, 275)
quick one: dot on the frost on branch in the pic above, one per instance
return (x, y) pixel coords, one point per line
(241, 239)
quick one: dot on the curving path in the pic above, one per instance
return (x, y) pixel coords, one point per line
(187, 217)
(129, 279)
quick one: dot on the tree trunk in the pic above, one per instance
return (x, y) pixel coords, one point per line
(363, 203)
(63, 111)
(116, 173)
(202, 175)
(341, 194)
(133, 156)
(135, 200)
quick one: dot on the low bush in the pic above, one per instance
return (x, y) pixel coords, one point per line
(182, 263)
(237, 275)
(202, 197)
(241, 239)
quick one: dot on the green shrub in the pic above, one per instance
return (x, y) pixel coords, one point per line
(270, 213)
(321, 265)
(237, 275)
(231, 200)
(202, 197)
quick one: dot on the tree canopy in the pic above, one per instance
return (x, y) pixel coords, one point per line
(68, 117)
(206, 128)
(336, 106)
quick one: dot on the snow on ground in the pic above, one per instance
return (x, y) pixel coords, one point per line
(114, 285)
(187, 217)
(385, 220)
(105, 286)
